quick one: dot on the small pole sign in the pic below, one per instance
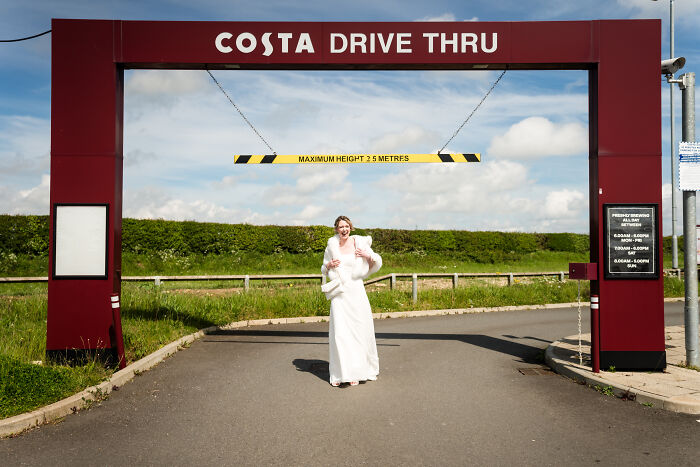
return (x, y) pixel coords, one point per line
(689, 166)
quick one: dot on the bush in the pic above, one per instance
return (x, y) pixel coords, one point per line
(567, 242)
(24, 235)
(28, 235)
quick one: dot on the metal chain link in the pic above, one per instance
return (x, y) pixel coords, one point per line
(241, 113)
(580, 350)
(473, 111)
(441, 149)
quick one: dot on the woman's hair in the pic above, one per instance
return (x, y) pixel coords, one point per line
(343, 218)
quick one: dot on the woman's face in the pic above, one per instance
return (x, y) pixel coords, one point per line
(343, 229)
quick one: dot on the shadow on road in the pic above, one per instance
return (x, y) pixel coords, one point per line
(187, 319)
(527, 353)
(318, 368)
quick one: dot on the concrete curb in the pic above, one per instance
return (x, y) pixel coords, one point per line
(47, 414)
(50, 413)
(681, 403)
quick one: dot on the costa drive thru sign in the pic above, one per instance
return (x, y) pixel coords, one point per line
(87, 107)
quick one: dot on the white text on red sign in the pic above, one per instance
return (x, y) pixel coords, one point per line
(357, 43)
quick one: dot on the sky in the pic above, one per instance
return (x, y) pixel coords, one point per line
(180, 131)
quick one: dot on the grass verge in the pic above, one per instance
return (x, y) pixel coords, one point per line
(25, 386)
(168, 263)
(155, 316)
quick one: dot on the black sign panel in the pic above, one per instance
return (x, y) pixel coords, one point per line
(631, 241)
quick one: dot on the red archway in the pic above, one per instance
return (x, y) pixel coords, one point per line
(89, 57)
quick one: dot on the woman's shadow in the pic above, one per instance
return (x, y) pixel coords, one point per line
(318, 368)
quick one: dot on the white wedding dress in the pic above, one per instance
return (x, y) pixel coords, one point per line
(353, 349)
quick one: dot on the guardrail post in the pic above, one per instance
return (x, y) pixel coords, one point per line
(246, 282)
(156, 280)
(392, 281)
(455, 278)
(414, 280)
(510, 279)
(561, 276)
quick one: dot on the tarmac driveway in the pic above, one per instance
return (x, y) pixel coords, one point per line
(464, 389)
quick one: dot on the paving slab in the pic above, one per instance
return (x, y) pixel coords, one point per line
(676, 389)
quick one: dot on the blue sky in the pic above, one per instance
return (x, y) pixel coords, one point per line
(181, 133)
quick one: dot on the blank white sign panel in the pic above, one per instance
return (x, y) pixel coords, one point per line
(81, 240)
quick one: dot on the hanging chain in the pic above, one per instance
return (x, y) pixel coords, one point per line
(242, 116)
(473, 111)
(580, 350)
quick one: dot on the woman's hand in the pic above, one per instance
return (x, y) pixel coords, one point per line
(359, 252)
(334, 263)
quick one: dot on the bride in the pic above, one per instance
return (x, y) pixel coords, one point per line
(353, 350)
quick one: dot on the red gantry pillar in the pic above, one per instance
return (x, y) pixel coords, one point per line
(86, 189)
(625, 194)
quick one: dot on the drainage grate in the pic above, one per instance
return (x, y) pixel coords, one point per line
(535, 371)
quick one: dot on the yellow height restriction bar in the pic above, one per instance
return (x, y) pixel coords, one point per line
(352, 158)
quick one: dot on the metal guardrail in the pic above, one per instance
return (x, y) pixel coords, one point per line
(23, 279)
(246, 278)
(392, 278)
(157, 280)
(469, 275)
(225, 277)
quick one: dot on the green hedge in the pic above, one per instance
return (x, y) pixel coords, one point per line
(29, 235)
(24, 235)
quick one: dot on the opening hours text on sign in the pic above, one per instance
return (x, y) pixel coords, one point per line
(631, 241)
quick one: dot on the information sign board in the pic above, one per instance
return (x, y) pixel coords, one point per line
(80, 241)
(631, 241)
(689, 166)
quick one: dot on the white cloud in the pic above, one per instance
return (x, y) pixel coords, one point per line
(498, 195)
(24, 146)
(170, 82)
(312, 185)
(442, 17)
(666, 194)
(445, 17)
(564, 204)
(537, 137)
(653, 9)
(34, 200)
(308, 213)
(138, 157)
(150, 203)
(319, 179)
(403, 140)
(463, 188)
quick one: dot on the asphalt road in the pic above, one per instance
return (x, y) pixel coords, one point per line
(450, 392)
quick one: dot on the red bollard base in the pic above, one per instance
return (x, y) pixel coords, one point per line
(645, 360)
(108, 357)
